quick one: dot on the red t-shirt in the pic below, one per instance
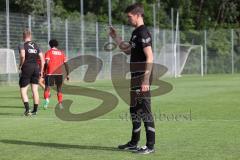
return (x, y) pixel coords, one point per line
(56, 58)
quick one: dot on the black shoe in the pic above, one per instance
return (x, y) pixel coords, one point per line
(33, 113)
(27, 113)
(145, 150)
(128, 146)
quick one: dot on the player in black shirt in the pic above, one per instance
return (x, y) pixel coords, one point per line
(29, 69)
(140, 49)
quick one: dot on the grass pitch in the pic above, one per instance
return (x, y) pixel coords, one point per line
(198, 119)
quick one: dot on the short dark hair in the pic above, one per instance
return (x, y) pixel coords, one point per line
(136, 8)
(53, 43)
(26, 33)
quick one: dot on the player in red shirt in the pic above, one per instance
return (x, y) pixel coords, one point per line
(54, 60)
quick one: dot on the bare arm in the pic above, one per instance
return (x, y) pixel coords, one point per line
(22, 58)
(125, 47)
(45, 66)
(67, 70)
(42, 63)
(148, 68)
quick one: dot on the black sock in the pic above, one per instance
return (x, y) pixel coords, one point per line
(35, 107)
(26, 105)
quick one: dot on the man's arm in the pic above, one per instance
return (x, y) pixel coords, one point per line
(125, 47)
(148, 68)
(22, 58)
(67, 69)
(45, 66)
(42, 63)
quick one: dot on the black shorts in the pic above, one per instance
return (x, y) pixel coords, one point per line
(50, 80)
(29, 74)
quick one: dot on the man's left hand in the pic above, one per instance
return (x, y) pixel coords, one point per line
(145, 87)
(67, 78)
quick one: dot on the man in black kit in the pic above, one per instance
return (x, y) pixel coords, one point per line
(30, 72)
(140, 49)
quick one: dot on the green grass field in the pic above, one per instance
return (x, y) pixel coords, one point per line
(212, 133)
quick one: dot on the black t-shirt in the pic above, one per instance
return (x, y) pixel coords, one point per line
(140, 39)
(32, 51)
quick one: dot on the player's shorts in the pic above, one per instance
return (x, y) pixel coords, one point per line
(51, 80)
(29, 74)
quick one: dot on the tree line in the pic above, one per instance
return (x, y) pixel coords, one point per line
(194, 14)
(216, 17)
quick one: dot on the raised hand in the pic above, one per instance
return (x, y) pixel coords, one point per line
(112, 32)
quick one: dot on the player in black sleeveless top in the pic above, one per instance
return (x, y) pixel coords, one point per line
(29, 52)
